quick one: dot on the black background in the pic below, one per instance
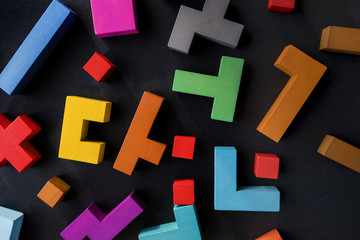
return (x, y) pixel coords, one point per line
(319, 198)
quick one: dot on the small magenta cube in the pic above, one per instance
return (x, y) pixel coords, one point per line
(284, 6)
(184, 147)
(183, 192)
(99, 67)
(266, 165)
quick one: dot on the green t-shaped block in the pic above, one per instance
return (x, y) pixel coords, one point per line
(224, 88)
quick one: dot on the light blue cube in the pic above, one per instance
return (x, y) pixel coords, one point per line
(10, 224)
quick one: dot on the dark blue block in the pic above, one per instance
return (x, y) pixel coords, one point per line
(37, 46)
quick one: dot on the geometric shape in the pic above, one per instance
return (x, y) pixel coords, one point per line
(208, 23)
(96, 225)
(266, 165)
(340, 152)
(99, 67)
(77, 114)
(37, 46)
(272, 235)
(250, 198)
(186, 226)
(183, 191)
(340, 40)
(14, 142)
(224, 88)
(114, 18)
(183, 147)
(284, 6)
(10, 223)
(136, 143)
(54, 191)
(305, 73)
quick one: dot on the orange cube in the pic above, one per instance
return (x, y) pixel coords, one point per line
(54, 191)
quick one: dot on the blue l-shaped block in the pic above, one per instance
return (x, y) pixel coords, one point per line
(186, 226)
(10, 223)
(37, 46)
(251, 198)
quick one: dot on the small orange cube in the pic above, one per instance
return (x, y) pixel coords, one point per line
(272, 235)
(54, 191)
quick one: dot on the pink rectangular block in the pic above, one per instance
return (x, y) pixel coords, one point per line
(114, 17)
(96, 225)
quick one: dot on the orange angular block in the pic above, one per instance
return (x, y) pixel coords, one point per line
(136, 144)
(54, 191)
(340, 152)
(305, 73)
(272, 235)
(340, 40)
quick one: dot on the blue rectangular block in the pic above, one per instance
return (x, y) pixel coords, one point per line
(37, 46)
(186, 226)
(250, 198)
(10, 224)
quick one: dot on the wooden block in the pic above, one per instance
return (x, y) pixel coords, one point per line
(37, 46)
(340, 152)
(136, 143)
(184, 147)
(54, 191)
(250, 198)
(183, 192)
(78, 112)
(224, 88)
(186, 226)
(14, 142)
(96, 225)
(99, 67)
(284, 6)
(10, 223)
(272, 235)
(208, 23)
(340, 40)
(266, 165)
(305, 73)
(114, 18)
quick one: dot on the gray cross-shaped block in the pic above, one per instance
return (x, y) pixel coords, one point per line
(208, 23)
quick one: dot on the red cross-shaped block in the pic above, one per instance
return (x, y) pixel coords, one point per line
(14, 142)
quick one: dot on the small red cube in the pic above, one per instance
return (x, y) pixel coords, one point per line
(99, 67)
(183, 191)
(266, 165)
(284, 6)
(184, 147)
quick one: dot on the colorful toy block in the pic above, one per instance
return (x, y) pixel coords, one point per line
(186, 226)
(250, 198)
(266, 165)
(340, 40)
(224, 88)
(305, 73)
(272, 235)
(54, 191)
(184, 147)
(183, 192)
(99, 67)
(14, 142)
(78, 112)
(96, 225)
(284, 6)
(208, 23)
(114, 18)
(10, 223)
(340, 152)
(136, 143)
(37, 46)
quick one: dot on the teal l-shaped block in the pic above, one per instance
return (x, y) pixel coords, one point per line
(250, 198)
